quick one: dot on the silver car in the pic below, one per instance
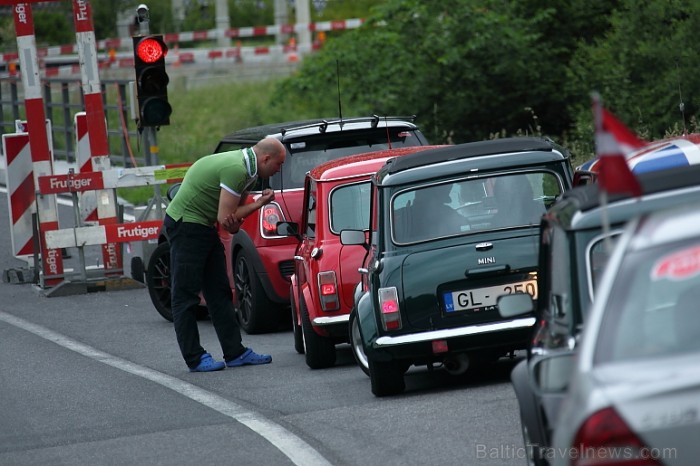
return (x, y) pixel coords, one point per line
(634, 383)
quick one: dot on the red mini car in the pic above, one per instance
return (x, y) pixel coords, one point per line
(260, 260)
(336, 197)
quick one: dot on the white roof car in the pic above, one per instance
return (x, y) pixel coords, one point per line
(634, 389)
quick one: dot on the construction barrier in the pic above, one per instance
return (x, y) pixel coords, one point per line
(320, 27)
(34, 186)
(51, 259)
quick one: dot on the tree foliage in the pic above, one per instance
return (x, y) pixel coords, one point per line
(474, 69)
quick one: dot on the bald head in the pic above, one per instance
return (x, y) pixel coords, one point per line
(270, 153)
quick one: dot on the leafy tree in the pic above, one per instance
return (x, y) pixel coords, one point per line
(645, 65)
(468, 69)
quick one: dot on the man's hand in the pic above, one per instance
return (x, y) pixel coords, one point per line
(232, 224)
(267, 196)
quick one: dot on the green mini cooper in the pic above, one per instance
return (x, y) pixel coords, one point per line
(451, 229)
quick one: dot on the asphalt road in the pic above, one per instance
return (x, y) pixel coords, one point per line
(97, 379)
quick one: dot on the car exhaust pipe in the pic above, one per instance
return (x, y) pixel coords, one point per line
(456, 364)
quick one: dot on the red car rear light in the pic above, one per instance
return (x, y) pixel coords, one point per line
(270, 214)
(605, 438)
(389, 306)
(328, 291)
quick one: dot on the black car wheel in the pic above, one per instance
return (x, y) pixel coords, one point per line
(386, 377)
(319, 351)
(137, 269)
(256, 313)
(296, 328)
(532, 451)
(158, 283)
(158, 280)
(358, 351)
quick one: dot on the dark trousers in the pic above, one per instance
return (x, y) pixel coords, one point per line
(198, 263)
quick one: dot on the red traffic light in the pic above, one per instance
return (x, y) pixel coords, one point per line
(150, 50)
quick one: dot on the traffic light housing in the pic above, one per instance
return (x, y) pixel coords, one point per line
(151, 80)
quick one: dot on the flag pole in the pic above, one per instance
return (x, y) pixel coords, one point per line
(602, 193)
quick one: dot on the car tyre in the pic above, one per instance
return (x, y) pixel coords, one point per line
(319, 350)
(158, 283)
(137, 269)
(355, 339)
(296, 328)
(386, 377)
(158, 280)
(256, 313)
(532, 452)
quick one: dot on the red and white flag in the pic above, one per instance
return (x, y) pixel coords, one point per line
(613, 142)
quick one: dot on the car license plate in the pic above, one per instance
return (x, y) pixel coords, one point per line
(484, 298)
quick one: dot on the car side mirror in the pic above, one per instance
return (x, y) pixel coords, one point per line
(551, 373)
(512, 305)
(288, 229)
(353, 237)
(172, 191)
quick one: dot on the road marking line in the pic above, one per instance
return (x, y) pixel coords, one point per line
(293, 447)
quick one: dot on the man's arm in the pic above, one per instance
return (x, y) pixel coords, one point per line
(232, 208)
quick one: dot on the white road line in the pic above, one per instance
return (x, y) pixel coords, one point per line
(294, 448)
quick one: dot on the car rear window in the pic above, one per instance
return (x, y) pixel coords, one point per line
(653, 310)
(472, 204)
(305, 154)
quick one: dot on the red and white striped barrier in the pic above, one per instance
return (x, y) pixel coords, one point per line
(195, 36)
(96, 124)
(20, 185)
(51, 259)
(20, 189)
(87, 201)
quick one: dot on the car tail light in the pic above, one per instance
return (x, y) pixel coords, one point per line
(270, 214)
(328, 291)
(605, 438)
(440, 346)
(389, 307)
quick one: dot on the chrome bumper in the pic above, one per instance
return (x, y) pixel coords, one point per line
(331, 320)
(455, 332)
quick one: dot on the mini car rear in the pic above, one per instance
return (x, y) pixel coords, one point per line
(452, 229)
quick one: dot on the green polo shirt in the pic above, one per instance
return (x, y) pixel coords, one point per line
(197, 200)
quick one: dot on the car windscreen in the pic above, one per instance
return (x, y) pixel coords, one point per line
(305, 154)
(653, 309)
(349, 207)
(472, 204)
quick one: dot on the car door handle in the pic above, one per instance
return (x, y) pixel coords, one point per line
(298, 258)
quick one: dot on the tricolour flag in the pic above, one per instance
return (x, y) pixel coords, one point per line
(613, 142)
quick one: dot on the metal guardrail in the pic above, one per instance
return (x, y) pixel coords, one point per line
(63, 98)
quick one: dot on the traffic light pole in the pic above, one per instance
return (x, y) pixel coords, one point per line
(149, 144)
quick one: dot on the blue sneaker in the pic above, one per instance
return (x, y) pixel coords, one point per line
(249, 358)
(208, 364)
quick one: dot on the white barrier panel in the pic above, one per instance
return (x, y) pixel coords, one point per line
(113, 178)
(102, 234)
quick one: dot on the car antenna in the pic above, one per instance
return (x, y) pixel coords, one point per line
(337, 74)
(681, 105)
(388, 136)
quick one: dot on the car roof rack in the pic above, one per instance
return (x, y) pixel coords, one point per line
(323, 125)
